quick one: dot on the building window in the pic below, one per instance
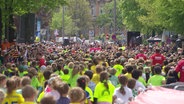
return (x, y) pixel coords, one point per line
(101, 10)
(93, 10)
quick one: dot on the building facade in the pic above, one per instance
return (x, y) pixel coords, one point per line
(97, 9)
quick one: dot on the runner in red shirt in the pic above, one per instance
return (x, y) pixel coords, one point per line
(157, 58)
(41, 60)
(141, 55)
(180, 68)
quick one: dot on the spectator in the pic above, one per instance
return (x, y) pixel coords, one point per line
(104, 90)
(18, 84)
(138, 86)
(48, 100)
(87, 89)
(91, 84)
(2, 96)
(63, 89)
(25, 81)
(123, 94)
(66, 75)
(76, 95)
(96, 76)
(118, 67)
(70, 67)
(113, 78)
(33, 75)
(131, 85)
(73, 59)
(171, 77)
(129, 69)
(74, 76)
(29, 94)
(51, 89)
(157, 79)
(147, 71)
(11, 95)
(5, 45)
(3, 83)
(157, 58)
(179, 69)
(142, 77)
(40, 76)
(81, 82)
(141, 55)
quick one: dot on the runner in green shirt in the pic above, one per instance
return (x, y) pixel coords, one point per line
(157, 79)
(104, 90)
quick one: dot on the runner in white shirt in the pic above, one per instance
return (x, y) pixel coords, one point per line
(138, 86)
(123, 94)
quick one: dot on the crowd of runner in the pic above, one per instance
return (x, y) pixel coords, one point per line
(48, 73)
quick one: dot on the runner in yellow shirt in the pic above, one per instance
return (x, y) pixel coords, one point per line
(66, 75)
(12, 97)
(104, 90)
(34, 80)
(129, 69)
(74, 76)
(96, 76)
(118, 67)
(95, 63)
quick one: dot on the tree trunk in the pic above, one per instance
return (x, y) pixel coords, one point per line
(9, 30)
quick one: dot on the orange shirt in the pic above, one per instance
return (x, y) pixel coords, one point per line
(5, 46)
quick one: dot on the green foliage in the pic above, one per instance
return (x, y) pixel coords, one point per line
(107, 17)
(130, 13)
(152, 20)
(167, 14)
(69, 26)
(79, 11)
(148, 15)
(173, 15)
(77, 17)
(103, 20)
(21, 7)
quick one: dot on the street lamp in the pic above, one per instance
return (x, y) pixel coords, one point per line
(63, 19)
(114, 16)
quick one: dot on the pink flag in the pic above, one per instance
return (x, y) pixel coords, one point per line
(160, 95)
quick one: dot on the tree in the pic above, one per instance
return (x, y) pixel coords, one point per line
(56, 23)
(172, 14)
(153, 20)
(29, 6)
(9, 8)
(79, 11)
(153, 15)
(103, 20)
(130, 13)
(107, 17)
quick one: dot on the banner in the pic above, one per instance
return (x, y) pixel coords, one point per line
(160, 95)
(38, 28)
